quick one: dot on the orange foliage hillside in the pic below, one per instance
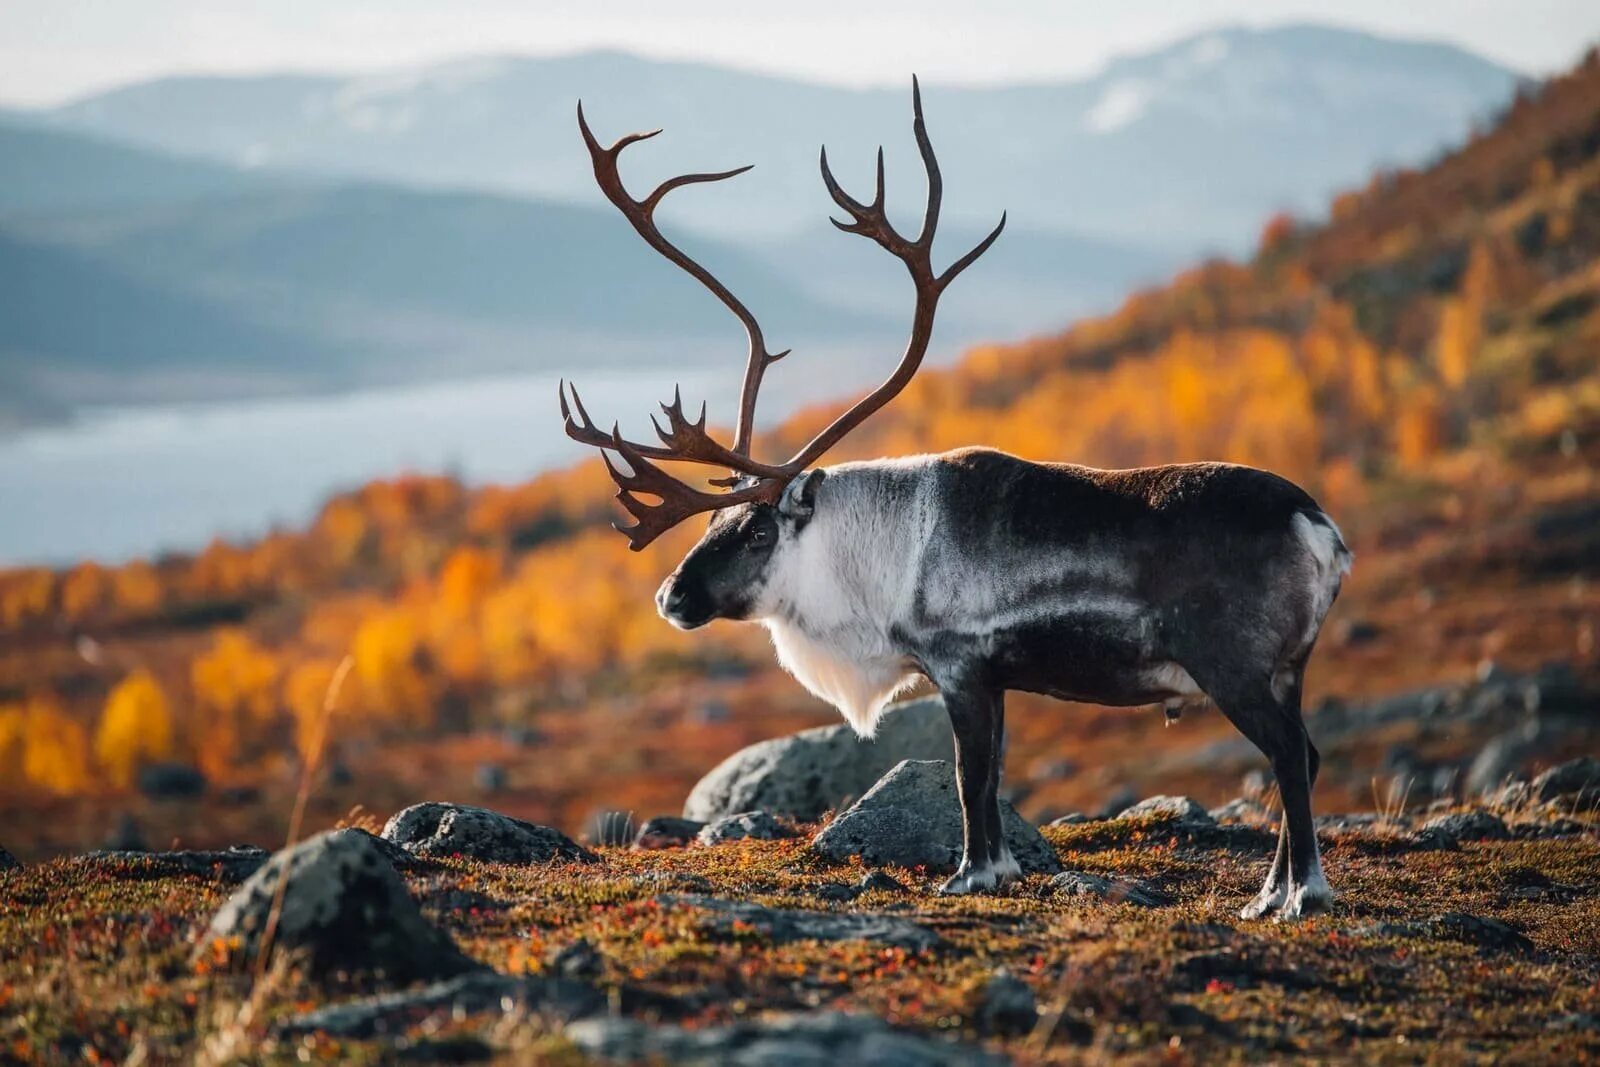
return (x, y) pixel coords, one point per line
(1423, 361)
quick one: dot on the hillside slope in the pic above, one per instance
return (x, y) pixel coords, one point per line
(1427, 363)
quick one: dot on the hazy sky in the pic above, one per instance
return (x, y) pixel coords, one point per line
(54, 49)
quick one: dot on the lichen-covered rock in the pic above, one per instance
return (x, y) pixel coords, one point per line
(749, 825)
(344, 909)
(436, 829)
(224, 865)
(1490, 935)
(1240, 810)
(785, 924)
(1575, 777)
(667, 831)
(912, 818)
(1185, 809)
(827, 1039)
(468, 994)
(815, 771)
(1463, 826)
(1111, 890)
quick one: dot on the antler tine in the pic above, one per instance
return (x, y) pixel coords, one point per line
(678, 500)
(641, 214)
(872, 220)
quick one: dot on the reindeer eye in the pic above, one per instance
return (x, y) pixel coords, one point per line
(760, 535)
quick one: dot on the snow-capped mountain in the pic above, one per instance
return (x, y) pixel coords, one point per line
(1188, 147)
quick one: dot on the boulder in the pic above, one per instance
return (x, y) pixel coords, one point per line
(1240, 810)
(826, 1039)
(1006, 1006)
(8, 862)
(1463, 826)
(437, 830)
(1575, 777)
(1184, 809)
(912, 818)
(222, 865)
(750, 825)
(481, 992)
(171, 781)
(1489, 935)
(1112, 890)
(344, 909)
(782, 925)
(667, 831)
(815, 771)
(1071, 818)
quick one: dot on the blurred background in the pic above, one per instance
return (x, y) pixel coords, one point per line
(288, 288)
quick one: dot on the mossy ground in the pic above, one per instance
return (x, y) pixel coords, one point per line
(99, 962)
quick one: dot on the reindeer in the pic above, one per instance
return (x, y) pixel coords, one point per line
(982, 572)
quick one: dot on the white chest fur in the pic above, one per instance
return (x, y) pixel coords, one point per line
(859, 677)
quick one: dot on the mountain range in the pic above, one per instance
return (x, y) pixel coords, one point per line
(191, 236)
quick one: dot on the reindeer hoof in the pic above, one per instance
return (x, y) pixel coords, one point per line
(1304, 901)
(1268, 900)
(970, 880)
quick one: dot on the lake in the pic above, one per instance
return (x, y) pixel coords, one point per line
(125, 482)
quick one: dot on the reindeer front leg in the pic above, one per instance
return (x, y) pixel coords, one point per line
(976, 718)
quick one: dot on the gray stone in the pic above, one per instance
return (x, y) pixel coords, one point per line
(667, 831)
(1241, 810)
(171, 781)
(1464, 826)
(1500, 758)
(344, 909)
(1488, 934)
(784, 925)
(746, 826)
(438, 830)
(469, 994)
(1111, 890)
(1185, 809)
(225, 865)
(1071, 818)
(1006, 1006)
(815, 771)
(8, 862)
(1575, 777)
(827, 1039)
(882, 882)
(912, 818)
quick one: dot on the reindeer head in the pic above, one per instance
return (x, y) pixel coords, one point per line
(762, 508)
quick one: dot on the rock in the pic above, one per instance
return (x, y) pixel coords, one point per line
(1184, 809)
(127, 837)
(1575, 777)
(1253, 786)
(1007, 1006)
(1116, 802)
(171, 781)
(815, 771)
(667, 831)
(1071, 818)
(489, 777)
(912, 818)
(826, 1039)
(878, 880)
(1464, 826)
(8, 862)
(227, 865)
(784, 925)
(438, 830)
(1354, 632)
(749, 825)
(1499, 759)
(1486, 933)
(344, 909)
(470, 994)
(579, 960)
(611, 829)
(1240, 810)
(1111, 890)
(835, 892)
(1544, 829)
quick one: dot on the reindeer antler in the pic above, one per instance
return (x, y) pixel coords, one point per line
(687, 441)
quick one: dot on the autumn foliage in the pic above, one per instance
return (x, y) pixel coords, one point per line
(1435, 313)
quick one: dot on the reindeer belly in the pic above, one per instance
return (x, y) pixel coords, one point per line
(1092, 655)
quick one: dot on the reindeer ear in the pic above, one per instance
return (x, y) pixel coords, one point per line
(799, 499)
